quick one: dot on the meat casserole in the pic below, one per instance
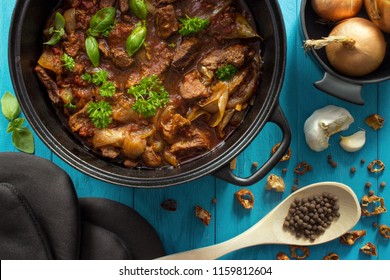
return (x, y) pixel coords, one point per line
(151, 84)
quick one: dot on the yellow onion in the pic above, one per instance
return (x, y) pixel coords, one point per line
(335, 10)
(379, 13)
(355, 47)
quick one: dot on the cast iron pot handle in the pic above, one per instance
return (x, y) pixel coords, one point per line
(336, 87)
(226, 174)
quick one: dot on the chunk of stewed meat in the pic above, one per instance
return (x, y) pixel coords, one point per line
(150, 158)
(164, 2)
(106, 3)
(173, 127)
(80, 123)
(119, 34)
(185, 53)
(74, 44)
(192, 88)
(123, 5)
(166, 22)
(235, 55)
(49, 83)
(104, 48)
(110, 151)
(196, 140)
(121, 59)
(159, 59)
(74, 3)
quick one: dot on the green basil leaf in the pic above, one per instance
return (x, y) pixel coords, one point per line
(59, 21)
(101, 21)
(10, 106)
(138, 8)
(55, 38)
(23, 140)
(136, 39)
(18, 122)
(92, 48)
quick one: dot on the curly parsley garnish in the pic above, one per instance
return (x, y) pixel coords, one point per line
(68, 61)
(225, 73)
(100, 77)
(107, 89)
(100, 113)
(193, 25)
(150, 95)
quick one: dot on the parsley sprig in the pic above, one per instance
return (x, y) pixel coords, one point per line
(68, 61)
(193, 25)
(225, 73)
(107, 88)
(100, 113)
(150, 95)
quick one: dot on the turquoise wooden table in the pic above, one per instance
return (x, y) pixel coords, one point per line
(181, 230)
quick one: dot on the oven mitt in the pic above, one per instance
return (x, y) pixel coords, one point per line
(115, 226)
(21, 237)
(51, 195)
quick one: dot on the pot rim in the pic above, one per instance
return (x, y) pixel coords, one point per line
(179, 175)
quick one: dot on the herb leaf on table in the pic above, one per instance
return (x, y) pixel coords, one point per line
(22, 138)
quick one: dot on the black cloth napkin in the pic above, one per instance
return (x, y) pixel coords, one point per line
(41, 217)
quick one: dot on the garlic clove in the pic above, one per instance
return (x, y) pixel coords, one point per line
(353, 142)
(323, 123)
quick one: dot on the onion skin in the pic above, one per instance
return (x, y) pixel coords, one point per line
(379, 13)
(335, 10)
(362, 58)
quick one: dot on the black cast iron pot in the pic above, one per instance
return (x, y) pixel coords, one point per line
(25, 46)
(343, 87)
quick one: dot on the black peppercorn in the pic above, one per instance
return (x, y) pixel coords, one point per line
(309, 217)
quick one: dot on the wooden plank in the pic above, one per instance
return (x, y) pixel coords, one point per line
(180, 230)
(384, 155)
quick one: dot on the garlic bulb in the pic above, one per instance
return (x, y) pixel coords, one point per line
(353, 142)
(323, 123)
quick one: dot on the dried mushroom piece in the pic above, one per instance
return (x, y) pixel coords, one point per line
(286, 157)
(203, 215)
(375, 121)
(245, 198)
(369, 249)
(384, 230)
(169, 205)
(332, 257)
(377, 209)
(282, 256)
(376, 166)
(351, 236)
(276, 183)
(233, 164)
(302, 168)
(304, 252)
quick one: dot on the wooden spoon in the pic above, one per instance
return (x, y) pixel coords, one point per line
(270, 229)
